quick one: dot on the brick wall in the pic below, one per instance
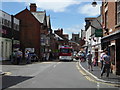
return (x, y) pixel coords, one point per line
(30, 31)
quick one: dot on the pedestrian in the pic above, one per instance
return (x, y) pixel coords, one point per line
(82, 56)
(44, 57)
(106, 64)
(19, 56)
(13, 57)
(27, 57)
(89, 59)
(47, 57)
(101, 58)
(51, 56)
(95, 61)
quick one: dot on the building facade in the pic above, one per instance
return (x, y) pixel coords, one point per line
(9, 35)
(30, 31)
(93, 36)
(35, 30)
(111, 32)
(76, 37)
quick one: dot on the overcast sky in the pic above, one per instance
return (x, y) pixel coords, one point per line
(66, 14)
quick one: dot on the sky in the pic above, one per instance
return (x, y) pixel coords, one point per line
(66, 14)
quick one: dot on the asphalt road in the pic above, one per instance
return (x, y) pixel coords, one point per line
(47, 75)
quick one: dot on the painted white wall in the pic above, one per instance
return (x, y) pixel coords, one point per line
(6, 16)
(16, 21)
(5, 49)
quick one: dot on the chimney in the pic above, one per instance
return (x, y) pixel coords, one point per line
(33, 7)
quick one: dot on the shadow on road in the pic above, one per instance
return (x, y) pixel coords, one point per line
(8, 81)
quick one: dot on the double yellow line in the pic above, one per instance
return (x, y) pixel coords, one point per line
(87, 76)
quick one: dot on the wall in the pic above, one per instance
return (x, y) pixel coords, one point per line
(30, 31)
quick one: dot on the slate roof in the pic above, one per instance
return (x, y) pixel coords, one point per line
(40, 15)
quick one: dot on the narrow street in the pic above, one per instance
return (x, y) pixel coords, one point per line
(47, 75)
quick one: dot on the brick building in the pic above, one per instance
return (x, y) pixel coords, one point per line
(35, 30)
(111, 32)
(30, 30)
(76, 37)
(65, 37)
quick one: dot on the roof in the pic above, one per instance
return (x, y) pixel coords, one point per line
(40, 15)
(90, 18)
(58, 37)
(26, 10)
(73, 42)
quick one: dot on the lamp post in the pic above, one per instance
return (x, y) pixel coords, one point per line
(94, 3)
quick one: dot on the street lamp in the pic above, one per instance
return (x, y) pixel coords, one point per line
(94, 3)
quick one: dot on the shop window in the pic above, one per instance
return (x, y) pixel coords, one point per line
(2, 21)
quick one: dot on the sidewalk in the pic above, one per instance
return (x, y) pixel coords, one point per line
(8, 62)
(96, 74)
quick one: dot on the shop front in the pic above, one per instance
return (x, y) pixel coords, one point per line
(112, 44)
(5, 48)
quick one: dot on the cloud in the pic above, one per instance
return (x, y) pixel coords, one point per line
(89, 10)
(54, 5)
(74, 29)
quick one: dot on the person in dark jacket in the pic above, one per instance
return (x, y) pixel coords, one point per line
(106, 64)
(89, 59)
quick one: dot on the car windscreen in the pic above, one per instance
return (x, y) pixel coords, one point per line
(65, 50)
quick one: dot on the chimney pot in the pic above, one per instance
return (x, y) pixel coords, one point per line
(33, 7)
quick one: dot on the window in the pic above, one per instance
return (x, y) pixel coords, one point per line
(5, 22)
(16, 27)
(75, 38)
(2, 21)
(106, 19)
(118, 12)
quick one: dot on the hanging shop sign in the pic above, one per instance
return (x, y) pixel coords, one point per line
(98, 33)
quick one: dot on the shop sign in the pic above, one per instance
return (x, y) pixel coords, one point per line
(98, 33)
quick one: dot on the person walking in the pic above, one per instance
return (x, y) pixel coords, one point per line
(27, 57)
(89, 59)
(106, 64)
(13, 57)
(47, 56)
(101, 58)
(19, 56)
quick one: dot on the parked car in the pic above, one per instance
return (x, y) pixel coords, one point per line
(33, 57)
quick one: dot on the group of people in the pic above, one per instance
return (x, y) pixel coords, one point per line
(80, 55)
(17, 55)
(47, 56)
(105, 62)
(30, 56)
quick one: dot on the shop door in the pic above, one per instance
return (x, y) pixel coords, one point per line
(118, 56)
